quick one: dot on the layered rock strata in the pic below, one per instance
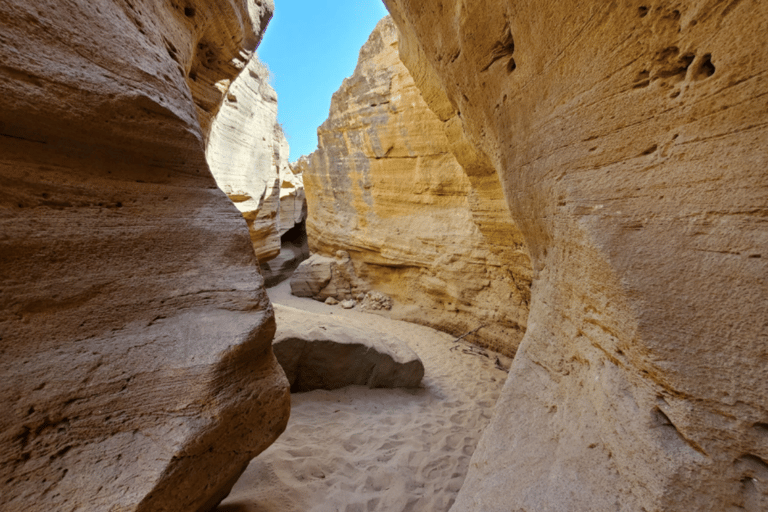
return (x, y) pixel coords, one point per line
(630, 140)
(135, 335)
(294, 250)
(318, 352)
(248, 155)
(431, 231)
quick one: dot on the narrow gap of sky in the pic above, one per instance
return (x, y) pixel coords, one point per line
(310, 46)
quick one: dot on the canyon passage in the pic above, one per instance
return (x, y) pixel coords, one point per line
(525, 268)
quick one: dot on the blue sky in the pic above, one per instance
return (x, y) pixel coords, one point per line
(311, 46)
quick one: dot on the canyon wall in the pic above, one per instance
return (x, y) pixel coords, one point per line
(630, 140)
(248, 155)
(137, 371)
(384, 186)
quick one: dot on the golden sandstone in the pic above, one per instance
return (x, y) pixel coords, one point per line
(584, 181)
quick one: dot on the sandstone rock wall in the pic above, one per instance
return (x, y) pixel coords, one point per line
(136, 370)
(630, 140)
(385, 187)
(248, 155)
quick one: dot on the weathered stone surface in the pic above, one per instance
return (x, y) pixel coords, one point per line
(136, 371)
(318, 352)
(630, 139)
(248, 155)
(375, 301)
(293, 250)
(320, 277)
(384, 186)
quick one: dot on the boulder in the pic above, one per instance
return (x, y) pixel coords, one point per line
(320, 352)
(311, 276)
(321, 277)
(630, 141)
(136, 371)
(425, 226)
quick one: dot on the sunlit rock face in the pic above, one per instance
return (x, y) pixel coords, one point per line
(248, 155)
(385, 187)
(630, 139)
(136, 365)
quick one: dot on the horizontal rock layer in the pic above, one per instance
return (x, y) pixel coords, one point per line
(248, 155)
(135, 335)
(318, 352)
(629, 138)
(385, 187)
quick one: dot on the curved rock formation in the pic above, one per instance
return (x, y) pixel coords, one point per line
(630, 139)
(137, 371)
(318, 352)
(385, 187)
(248, 155)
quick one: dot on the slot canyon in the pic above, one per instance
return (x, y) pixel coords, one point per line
(524, 270)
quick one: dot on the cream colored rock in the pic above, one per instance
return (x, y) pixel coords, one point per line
(318, 352)
(321, 277)
(248, 155)
(630, 139)
(136, 370)
(433, 235)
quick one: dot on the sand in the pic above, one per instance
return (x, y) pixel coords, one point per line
(362, 450)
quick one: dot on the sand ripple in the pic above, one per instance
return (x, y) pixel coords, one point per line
(363, 450)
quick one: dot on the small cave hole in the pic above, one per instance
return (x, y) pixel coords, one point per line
(189, 12)
(705, 69)
(193, 76)
(687, 59)
(650, 150)
(642, 11)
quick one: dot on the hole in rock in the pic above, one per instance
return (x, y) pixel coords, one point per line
(294, 249)
(705, 68)
(189, 12)
(642, 11)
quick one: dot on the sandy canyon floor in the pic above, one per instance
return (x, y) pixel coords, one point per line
(363, 450)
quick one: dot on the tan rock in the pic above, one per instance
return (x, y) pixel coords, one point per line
(375, 301)
(384, 186)
(318, 352)
(293, 250)
(321, 277)
(630, 139)
(248, 155)
(136, 370)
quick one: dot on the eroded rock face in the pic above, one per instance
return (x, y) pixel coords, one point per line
(384, 186)
(630, 140)
(135, 335)
(323, 277)
(248, 155)
(318, 352)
